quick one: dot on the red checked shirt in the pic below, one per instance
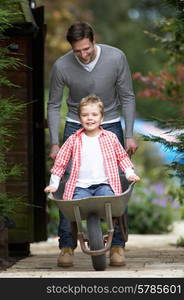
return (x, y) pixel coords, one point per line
(113, 154)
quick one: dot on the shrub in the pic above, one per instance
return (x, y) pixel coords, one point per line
(180, 242)
(150, 211)
(10, 112)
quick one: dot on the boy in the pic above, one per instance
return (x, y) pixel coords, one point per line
(96, 154)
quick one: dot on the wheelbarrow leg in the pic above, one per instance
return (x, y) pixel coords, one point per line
(123, 220)
(78, 219)
(108, 213)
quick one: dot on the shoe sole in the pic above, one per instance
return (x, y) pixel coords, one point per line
(64, 265)
(117, 264)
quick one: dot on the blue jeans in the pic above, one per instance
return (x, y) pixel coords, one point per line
(64, 229)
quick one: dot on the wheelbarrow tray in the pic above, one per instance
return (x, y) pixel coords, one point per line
(95, 205)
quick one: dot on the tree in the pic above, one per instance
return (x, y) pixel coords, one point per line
(10, 110)
(167, 86)
(122, 25)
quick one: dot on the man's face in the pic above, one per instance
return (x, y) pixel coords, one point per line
(85, 50)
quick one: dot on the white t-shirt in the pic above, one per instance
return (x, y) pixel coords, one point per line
(92, 170)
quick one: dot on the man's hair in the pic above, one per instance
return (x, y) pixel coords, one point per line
(91, 99)
(78, 31)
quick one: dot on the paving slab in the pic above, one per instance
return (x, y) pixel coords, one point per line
(147, 256)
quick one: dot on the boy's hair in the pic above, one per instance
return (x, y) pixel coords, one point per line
(78, 31)
(91, 99)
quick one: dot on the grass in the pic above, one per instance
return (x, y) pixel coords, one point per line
(180, 242)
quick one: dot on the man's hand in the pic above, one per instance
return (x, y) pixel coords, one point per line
(131, 145)
(53, 152)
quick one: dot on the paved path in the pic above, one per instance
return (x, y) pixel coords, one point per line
(147, 256)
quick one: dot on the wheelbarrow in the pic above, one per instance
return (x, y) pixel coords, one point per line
(93, 210)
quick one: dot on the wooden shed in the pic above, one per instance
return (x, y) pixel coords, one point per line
(26, 41)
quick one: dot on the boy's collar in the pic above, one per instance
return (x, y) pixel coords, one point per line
(81, 130)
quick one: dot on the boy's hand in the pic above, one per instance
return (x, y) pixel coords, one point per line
(134, 178)
(50, 189)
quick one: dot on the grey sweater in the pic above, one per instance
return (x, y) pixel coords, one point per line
(110, 80)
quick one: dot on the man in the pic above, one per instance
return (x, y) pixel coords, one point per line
(90, 68)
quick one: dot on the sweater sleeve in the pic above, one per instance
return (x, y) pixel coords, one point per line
(126, 95)
(54, 104)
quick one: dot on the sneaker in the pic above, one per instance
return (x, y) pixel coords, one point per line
(117, 257)
(65, 258)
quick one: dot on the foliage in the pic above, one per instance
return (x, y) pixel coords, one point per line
(6, 60)
(9, 14)
(149, 210)
(168, 86)
(180, 242)
(182, 208)
(123, 26)
(149, 163)
(153, 205)
(53, 223)
(10, 201)
(10, 111)
(164, 86)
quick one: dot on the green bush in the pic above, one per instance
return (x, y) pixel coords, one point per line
(180, 242)
(146, 217)
(52, 227)
(182, 212)
(150, 211)
(10, 111)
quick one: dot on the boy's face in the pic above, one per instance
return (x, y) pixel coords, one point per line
(85, 50)
(91, 117)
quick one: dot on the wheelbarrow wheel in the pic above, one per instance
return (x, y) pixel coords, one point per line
(96, 241)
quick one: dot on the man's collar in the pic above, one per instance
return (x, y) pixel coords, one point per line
(91, 65)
